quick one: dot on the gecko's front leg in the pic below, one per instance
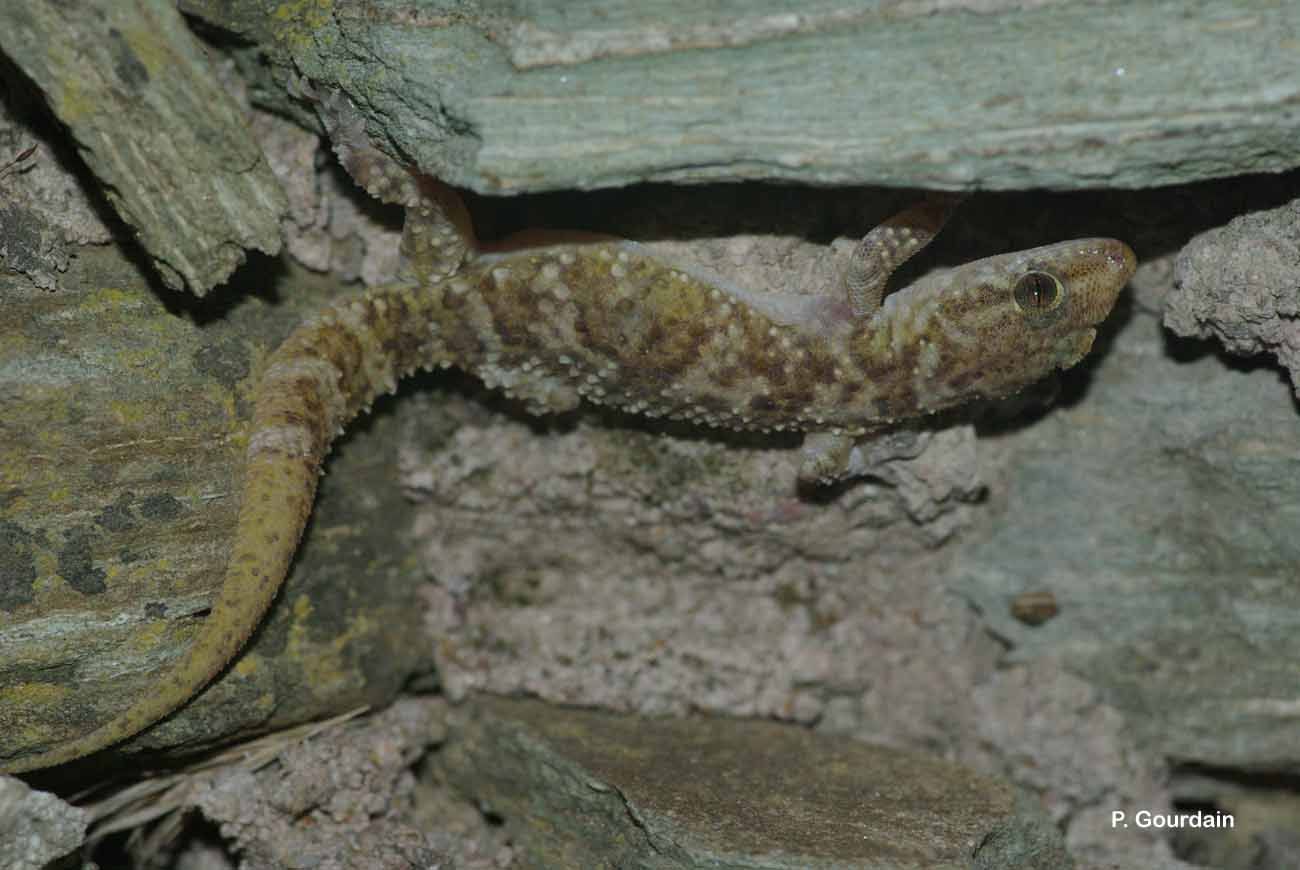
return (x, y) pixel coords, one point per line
(829, 456)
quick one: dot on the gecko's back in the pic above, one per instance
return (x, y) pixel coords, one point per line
(617, 327)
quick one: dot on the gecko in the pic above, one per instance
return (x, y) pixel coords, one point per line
(605, 322)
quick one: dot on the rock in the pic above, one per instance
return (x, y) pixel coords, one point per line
(587, 789)
(133, 86)
(36, 827)
(1237, 284)
(957, 94)
(1160, 510)
(121, 456)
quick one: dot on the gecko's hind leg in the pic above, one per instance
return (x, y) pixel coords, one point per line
(828, 457)
(890, 245)
(438, 237)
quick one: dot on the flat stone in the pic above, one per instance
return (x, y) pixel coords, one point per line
(989, 94)
(590, 789)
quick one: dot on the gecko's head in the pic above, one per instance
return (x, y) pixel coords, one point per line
(1001, 323)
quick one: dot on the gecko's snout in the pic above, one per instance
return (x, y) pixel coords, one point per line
(1109, 259)
(1122, 259)
(1123, 263)
(1102, 268)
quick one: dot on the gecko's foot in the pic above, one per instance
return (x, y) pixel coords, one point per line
(438, 236)
(890, 245)
(829, 459)
(825, 458)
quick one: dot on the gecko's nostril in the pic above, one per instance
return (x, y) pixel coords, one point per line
(1122, 257)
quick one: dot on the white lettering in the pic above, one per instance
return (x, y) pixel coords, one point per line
(1148, 819)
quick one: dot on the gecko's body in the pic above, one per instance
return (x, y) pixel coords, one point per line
(608, 323)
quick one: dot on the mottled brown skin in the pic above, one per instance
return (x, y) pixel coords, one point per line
(606, 323)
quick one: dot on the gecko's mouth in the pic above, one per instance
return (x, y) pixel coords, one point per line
(1072, 348)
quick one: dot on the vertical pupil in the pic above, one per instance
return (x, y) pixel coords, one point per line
(1037, 291)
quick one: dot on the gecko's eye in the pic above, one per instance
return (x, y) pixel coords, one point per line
(1037, 293)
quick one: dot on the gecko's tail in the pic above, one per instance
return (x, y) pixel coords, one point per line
(323, 375)
(277, 499)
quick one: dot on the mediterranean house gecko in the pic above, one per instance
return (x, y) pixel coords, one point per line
(605, 322)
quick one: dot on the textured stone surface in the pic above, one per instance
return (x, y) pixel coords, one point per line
(584, 789)
(1161, 511)
(638, 572)
(341, 794)
(134, 88)
(341, 800)
(121, 452)
(44, 212)
(995, 94)
(36, 828)
(1237, 284)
